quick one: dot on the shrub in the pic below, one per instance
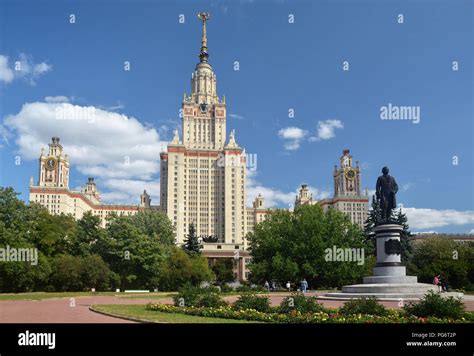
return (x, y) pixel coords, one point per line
(225, 288)
(298, 302)
(368, 306)
(187, 296)
(433, 304)
(393, 316)
(243, 288)
(190, 296)
(252, 301)
(210, 300)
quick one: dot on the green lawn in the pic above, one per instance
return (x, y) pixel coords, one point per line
(139, 311)
(45, 295)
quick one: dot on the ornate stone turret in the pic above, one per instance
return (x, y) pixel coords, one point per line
(91, 190)
(304, 196)
(175, 137)
(232, 143)
(145, 200)
(53, 166)
(259, 202)
(204, 114)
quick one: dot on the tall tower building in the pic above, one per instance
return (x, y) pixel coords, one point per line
(203, 173)
(54, 167)
(347, 177)
(348, 196)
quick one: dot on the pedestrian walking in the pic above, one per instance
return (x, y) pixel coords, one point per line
(304, 285)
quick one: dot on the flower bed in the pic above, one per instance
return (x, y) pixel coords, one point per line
(296, 317)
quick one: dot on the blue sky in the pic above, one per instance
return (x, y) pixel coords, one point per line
(282, 66)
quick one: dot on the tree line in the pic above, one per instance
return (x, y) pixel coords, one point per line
(132, 252)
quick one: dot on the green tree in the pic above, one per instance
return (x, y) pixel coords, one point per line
(180, 269)
(291, 246)
(191, 243)
(405, 237)
(223, 269)
(135, 256)
(18, 229)
(398, 217)
(76, 273)
(435, 255)
(89, 232)
(154, 224)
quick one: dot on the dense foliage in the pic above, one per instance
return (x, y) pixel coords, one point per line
(223, 269)
(298, 302)
(296, 317)
(191, 242)
(191, 296)
(291, 246)
(368, 306)
(133, 252)
(252, 301)
(433, 304)
(442, 255)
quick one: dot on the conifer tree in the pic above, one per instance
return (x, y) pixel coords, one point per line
(191, 243)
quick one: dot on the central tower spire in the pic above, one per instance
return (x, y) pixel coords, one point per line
(203, 55)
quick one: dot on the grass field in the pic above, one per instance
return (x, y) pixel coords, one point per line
(140, 312)
(45, 295)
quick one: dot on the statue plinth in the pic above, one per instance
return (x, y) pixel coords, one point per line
(389, 280)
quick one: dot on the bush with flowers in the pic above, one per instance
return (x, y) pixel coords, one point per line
(297, 317)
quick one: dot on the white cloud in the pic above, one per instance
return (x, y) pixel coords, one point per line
(236, 116)
(292, 136)
(422, 218)
(6, 74)
(407, 186)
(127, 191)
(24, 68)
(471, 231)
(99, 143)
(57, 99)
(326, 129)
(276, 197)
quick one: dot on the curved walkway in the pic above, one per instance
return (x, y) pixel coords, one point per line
(62, 311)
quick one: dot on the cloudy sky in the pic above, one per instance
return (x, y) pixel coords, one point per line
(303, 80)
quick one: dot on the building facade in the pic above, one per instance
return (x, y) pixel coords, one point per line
(52, 190)
(202, 178)
(348, 196)
(203, 173)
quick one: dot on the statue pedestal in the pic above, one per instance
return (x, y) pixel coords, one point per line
(389, 280)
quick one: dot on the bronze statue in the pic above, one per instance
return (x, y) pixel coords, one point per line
(385, 191)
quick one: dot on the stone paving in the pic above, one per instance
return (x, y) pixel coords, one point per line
(58, 310)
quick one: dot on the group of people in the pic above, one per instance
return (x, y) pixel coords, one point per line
(441, 281)
(303, 286)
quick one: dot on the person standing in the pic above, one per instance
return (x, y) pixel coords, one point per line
(288, 286)
(437, 282)
(267, 286)
(304, 285)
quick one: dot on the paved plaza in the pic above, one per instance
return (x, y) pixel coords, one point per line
(58, 310)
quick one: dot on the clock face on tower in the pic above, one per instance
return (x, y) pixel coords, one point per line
(203, 107)
(50, 164)
(350, 174)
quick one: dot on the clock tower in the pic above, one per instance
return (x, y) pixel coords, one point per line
(204, 113)
(347, 177)
(54, 167)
